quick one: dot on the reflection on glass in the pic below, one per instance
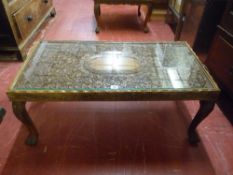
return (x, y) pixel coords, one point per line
(112, 62)
(174, 78)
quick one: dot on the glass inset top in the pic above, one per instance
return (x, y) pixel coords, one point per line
(113, 66)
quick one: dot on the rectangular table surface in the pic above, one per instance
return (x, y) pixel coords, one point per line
(92, 70)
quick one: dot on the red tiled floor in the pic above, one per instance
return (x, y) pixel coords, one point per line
(110, 138)
(9, 127)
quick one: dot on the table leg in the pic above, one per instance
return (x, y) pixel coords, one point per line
(139, 10)
(205, 108)
(179, 27)
(21, 114)
(148, 15)
(97, 14)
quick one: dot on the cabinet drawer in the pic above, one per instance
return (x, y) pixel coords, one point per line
(15, 5)
(30, 15)
(220, 61)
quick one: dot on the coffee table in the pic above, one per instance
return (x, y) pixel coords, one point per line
(112, 71)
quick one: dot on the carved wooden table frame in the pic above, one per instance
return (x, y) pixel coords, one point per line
(19, 98)
(148, 3)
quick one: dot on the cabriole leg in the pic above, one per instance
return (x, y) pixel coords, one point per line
(21, 114)
(205, 108)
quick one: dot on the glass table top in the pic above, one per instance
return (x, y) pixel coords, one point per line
(113, 66)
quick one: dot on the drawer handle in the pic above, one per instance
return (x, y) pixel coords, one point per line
(29, 18)
(231, 70)
(45, 1)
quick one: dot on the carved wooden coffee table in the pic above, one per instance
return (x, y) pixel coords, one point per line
(148, 3)
(108, 71)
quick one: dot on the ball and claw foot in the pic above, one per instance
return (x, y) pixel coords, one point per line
(193, 138)
(31, 140)
(97, 30)
(146, 30)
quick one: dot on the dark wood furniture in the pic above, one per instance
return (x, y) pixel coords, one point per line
(19, 22)
(220, 57)
(148, 3)
(195, 21)
(161, 4)
(112, 71)
(175, 16)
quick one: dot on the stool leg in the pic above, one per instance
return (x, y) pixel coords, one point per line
(179, 28)
(148, 15)
(99, 11)
(97, 14)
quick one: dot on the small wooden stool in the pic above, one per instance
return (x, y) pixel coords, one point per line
(148, 3)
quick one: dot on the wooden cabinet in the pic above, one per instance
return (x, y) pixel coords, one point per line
(19, 22)
(175, 16)
(220, 61)
(220, 57)
(195, 21)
